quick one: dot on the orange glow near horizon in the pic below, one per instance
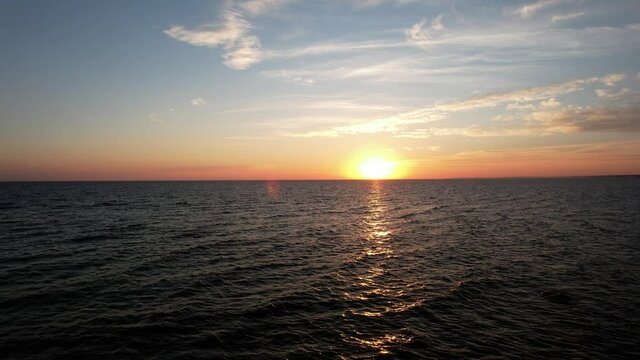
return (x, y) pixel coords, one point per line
(574, 160)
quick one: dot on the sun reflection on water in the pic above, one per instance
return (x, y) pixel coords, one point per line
(375, 291)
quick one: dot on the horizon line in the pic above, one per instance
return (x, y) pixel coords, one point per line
(331, 179)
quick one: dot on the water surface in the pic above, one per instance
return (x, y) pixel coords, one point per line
(543, 268)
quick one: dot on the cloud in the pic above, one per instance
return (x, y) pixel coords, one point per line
(417, 34)
(420, 35)
(604, 93)
(471, 131)
(232, 34)
(572, 120)
(520, 107)
(518, 99)
(436, 24)
(336, 104)
(564, 17)
(550, 103)
(231, 28)
(508, 44)
(522, 95)
(373, 3)
(304, 80)
(612, 79)
(198, 101)
(530, 9)
(244, 53)
(259, 7)
(592, 119)
(335, 47)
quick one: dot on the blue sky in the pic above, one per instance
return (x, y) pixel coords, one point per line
(286, 88)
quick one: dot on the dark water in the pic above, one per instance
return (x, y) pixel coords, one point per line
(546, 268)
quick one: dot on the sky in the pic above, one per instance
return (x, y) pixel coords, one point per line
(293, 89)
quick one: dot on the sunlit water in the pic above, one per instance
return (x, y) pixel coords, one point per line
(542, 268)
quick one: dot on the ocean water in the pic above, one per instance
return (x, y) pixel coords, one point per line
(522, 268)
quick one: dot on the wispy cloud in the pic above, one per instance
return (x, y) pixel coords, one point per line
(608, 94)
(563, 17)
(198, 101)
(612, 79)
(616, 119)
(373, 3)
(551, 103)
(259, 7)
(232, 33)
(522, 95)
(520, 107)
(419, 34)
(529, 10)
(303, 103)
(335, 47)
(398, 124)
(507, 46)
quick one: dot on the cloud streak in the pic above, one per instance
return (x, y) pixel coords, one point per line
(529, 10)
(564, 17)
(592, 119)
(259, 7)
(232, 34)
(398, 125)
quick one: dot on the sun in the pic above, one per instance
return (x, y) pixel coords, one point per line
(376, 168)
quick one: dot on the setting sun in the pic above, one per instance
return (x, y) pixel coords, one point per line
(376, 168)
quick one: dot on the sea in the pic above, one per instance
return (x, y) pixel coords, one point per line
(543, 268)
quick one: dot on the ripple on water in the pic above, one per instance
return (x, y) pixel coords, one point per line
(412, 269)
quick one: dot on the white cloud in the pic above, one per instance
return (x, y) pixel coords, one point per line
(198, 101)
(520, 107)
(225, 33)
(564, 17)
(530, 9)
(335, 104)
(607, 94)
(244, 53)
(259, 7)
(232, 33)
(436, 24)
(517, 99)
(612, 79)
(304, 80)
(419, 35)
(334, 47)
(521, 45)
(550, 103)
(372, 3)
